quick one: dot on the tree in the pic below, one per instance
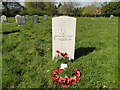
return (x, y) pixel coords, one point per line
(79, 13)
(75, 11)
(66, 9)
(11, 8)
(40, 8)
(96, 4)
(103, 4)
(89, 10)
(33, 8)
(50, 8)
(112, 8)
(5, 5)
(35, 5)
(60, 4)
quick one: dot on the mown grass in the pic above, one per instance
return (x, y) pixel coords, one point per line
(27, 53)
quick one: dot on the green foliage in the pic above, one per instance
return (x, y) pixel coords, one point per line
(66, 9)
(60, 4)
(89, 10)
(67, 72)
(25, 65)
(79, 13)
(112, 8)
(11, 8)
(23, 12)
(35, 5)
(40, 8)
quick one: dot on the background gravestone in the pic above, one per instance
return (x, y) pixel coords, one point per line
(21, 21)
(55, 15)
(26, 17)
(63, 35)
(111, 16)
(16, 18)
(35, 18)
(45, 17)
(3, 18)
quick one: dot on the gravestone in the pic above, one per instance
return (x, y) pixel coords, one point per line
(111, 16)
(21, 21)
(63, 35)
(17, 16)
(3, 18)
(23, 17)
(45, 17)
(26, 17)
(35, 18)
(55, 16)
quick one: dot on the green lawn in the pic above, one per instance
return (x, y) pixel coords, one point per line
(27, 53)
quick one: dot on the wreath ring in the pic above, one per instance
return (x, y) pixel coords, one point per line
(65, 81)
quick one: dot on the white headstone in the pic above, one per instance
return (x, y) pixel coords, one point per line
(17, 16)
(63, 35)
(111, 16)
(45, 17)
(3, 18)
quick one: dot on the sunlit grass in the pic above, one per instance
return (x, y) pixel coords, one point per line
(27, 54)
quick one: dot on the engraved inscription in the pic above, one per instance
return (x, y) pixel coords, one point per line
(63, 35)
(62, 38)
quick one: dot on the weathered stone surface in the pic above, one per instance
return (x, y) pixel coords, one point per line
(63, 35)
(3, 18)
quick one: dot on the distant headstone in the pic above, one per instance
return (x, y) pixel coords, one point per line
(55, 16)
(17, 16)
(3, 18)
(21, 21)
(45, 17)
(23, 17)
(26, 17)
(35, 18)
(111, 16)
(63, 35)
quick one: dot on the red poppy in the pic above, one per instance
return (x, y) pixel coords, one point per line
(72, 68)
(72, 79)
(54, 78)
(74, 83)
(65, 81)
(62, 80)
(57, 51)
(64, 55)
(60, 71)
(64, 85)
(57, 71)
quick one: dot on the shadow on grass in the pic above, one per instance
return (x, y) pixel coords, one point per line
(82, 51)
(9, 32)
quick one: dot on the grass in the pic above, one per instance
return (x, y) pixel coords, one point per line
(27, 53)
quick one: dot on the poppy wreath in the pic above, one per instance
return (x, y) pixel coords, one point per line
(65, 81)
(65, 55)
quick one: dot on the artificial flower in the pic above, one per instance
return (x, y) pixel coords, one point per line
(65, 81)
(57, 51)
